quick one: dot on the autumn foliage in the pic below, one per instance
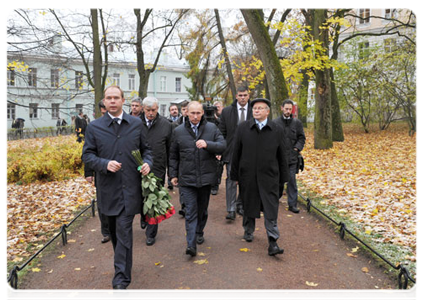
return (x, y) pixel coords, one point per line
(371, 178)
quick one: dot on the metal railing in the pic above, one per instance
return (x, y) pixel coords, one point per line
(13, 276)
(403, 276)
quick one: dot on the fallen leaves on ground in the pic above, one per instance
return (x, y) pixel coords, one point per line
(244, 249)
(35, 212)
(311, 283)
(201, 261)
(371, 178)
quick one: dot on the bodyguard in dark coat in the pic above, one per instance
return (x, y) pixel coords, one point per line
(295, 141)
(109, 142)
(259, 165)
(159, 134)
(192, 167)
(231, 116)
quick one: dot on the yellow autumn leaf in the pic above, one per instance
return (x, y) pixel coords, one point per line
(77, 269)
(201, 262)
(73, 294)
(36, 270)
(157, 263)
(91, 249)
(201, 254)
(365, 270)
(61, 256)
(354, 249)
(386, 291)
(244, 249)
(368, 231)
(311, 283)
(351, 255)
(259, 269)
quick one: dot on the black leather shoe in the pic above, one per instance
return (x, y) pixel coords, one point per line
(240, 211)
(191, 251)
(200, 239)
(214, 191)
(182, 212)
(143, 224)
(248, 237)
(274, 249)
(120, 290)
(231, 216)
(294, 209)
(105, 239)
(150, 241)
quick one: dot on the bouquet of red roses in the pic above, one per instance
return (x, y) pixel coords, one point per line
(157, 206)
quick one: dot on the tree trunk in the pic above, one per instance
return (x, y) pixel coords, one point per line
(303, 98)
(97, 64)
(142, 72)
(225, 54)
(274, 75)
(323, 109)
(337, 130)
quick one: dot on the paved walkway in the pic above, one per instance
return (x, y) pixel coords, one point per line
(315, 258)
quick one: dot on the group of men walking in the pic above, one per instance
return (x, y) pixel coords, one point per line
(258, 154)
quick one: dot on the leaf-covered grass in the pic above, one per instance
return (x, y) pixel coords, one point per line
(370, 179)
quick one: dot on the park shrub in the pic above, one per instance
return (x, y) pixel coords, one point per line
(44, 159)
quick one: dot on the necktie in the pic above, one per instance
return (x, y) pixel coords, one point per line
(242, 114)
(115, 124)
(195, 128)
(149, 123)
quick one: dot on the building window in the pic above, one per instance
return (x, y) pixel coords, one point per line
(33, 110)
(55, 108)
(364, 15)
(54, 78)
(116, 79)
(11, 76)
(178, 84)
(131, 82)
(389, 45)
(32, 77)
(363, 50)
(390, 13)
(162, 109)
(78, 80)
(162, 83)
(78, 108)
(11, 111)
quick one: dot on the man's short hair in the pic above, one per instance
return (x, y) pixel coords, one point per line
(150, 101)
(138, 100)
(287, 101)
(242, 88)
(173, 104)
(117, 87)
(101, 104)
(216, 102)
(185, 104)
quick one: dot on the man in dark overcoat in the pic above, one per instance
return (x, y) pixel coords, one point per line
(192, 167)
(259, 165)
(109, 142)
(295, 141)
(231, 116)
(159, 135)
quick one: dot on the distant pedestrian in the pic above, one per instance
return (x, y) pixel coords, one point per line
(260, 167)
(231, 117)
(192, 167)
(295, 141)
(80, 126)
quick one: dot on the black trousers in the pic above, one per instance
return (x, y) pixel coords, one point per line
(120, 227)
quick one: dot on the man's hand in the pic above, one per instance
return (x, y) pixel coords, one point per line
(219, 157)
(114, 166)
(201, 144)
(90, 179)
(174, 181)
(145, 169)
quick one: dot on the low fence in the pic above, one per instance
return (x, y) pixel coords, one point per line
(403, 276)
(13, 276)
(29, 133)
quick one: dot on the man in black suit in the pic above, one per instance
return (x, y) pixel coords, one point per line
(109, 142)
(231, 116)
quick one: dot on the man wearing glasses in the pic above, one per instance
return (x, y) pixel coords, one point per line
(260, 167)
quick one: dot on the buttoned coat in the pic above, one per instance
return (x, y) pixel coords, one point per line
(259, 164)
(228, 123)
(105, 141)
(192, 166)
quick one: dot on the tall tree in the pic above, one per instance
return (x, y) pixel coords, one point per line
(97, 62)
(274, 75)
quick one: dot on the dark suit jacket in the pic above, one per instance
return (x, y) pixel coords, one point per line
(121, 190)
(228, 124)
